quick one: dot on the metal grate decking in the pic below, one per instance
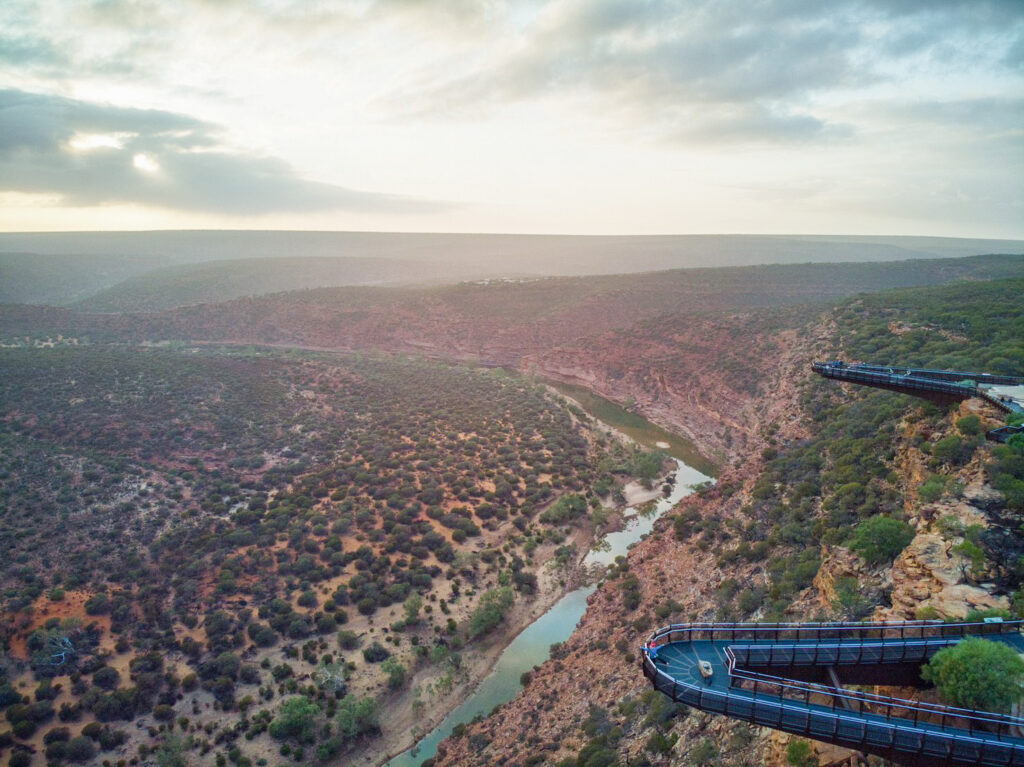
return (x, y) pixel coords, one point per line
(904, 731)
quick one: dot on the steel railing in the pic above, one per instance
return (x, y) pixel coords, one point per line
(749, 692)
(989, 379)
(882, 735)
(797, 632)
(839, 653)
(888, 707)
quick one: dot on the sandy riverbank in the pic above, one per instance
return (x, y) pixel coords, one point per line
(397, 734)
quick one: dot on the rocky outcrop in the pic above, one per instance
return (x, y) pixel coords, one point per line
(927, 574)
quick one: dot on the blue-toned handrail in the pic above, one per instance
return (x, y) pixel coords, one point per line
(835, 630)
(917, 633)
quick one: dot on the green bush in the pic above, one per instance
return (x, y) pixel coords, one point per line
(375, 653)
(953, 450)
(396, 673)
(704, 753)
(977, 673)
(849, 602)
(491, 611)
(970, 425)
(296, 720)
(80, 749)
(348, 640)
(800, 754)
(881, 539)
(931, 490)
(356, 716)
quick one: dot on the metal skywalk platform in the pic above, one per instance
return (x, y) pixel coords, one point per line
(794, 697)
(940, 386)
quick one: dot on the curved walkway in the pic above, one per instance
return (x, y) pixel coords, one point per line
(792, 698)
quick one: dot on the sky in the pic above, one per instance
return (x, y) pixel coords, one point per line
(548, 116)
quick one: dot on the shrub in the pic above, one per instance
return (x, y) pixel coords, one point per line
(107, 678)
(81, 749)
(24, 728)
(932, 489)
(98, 604)
(375, 653)
(356, 716)
(800, 754)
(396, 673)
(952, 450)
(881, 539)
(8, 696)
(491, 611)
(969, 425)
(111, 739)
(977, 673)
(703, 753)
(296, 720)
(849, 602)
(348, 640)
(57, 734)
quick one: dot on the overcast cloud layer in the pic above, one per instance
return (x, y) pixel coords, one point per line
(154, 158)
(570, 115)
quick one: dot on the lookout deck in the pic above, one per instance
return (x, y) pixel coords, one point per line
(775, 675)
(940, 386)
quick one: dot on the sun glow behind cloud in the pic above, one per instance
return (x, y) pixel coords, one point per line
(567, 115)
(145, 163)
(86, 142)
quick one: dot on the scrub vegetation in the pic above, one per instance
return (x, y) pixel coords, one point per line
(214, 543)
(839, 487)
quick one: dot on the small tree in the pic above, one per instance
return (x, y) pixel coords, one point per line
(880, 539)
(81, 749)
(490, 611)
(375, 653)
(395, 671)
(296, 720)
(356, 716)
(412, 608)
(977, 673)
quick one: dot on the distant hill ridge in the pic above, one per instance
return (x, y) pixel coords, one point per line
(498, 322)
(69, 267)
(215, 281)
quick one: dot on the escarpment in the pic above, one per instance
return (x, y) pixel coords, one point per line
(592, 686)
(790, 532)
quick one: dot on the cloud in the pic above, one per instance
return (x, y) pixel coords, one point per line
(757, 124)
(93, 154)
(710, 69)
(29, 50)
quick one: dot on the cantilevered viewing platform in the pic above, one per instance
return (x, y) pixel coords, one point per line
(939, 386)
(789, 677)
